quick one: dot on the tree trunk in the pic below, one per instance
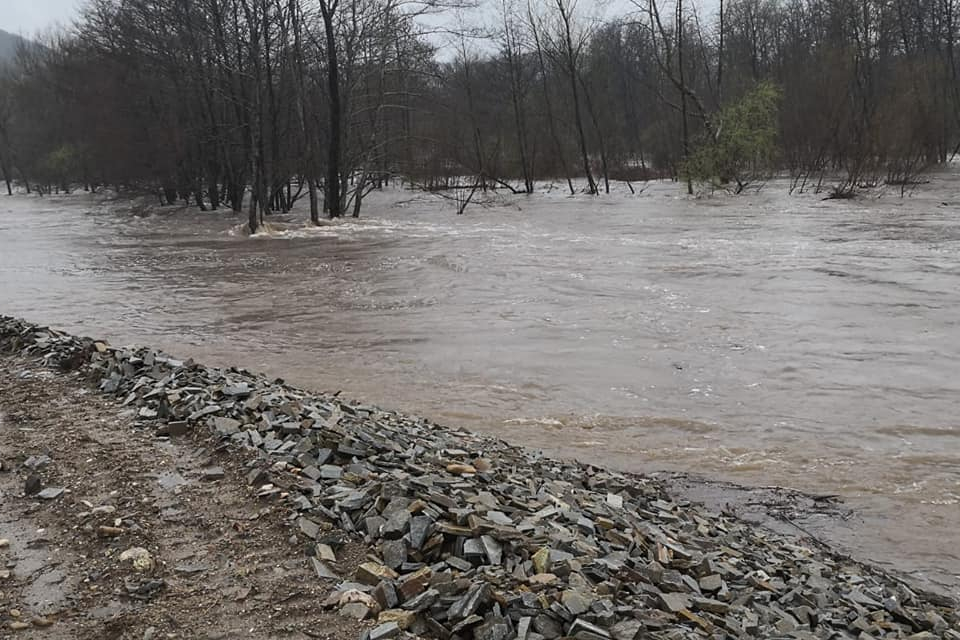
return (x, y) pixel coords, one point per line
(554, 136)
(302, 113)
(256, 194)
(477, 139)
(358, 194)
(198, 196)
(213, 189)
(720, 62)
(599, 130)
(333, 195)
(5, 161)
(253, 221)
(577, 117)
(683, 94)
(517, 100)
(6, 174)
(314, 201)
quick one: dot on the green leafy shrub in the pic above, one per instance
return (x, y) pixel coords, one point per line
(744, 147)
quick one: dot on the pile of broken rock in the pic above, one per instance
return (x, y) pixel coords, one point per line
(470, 537)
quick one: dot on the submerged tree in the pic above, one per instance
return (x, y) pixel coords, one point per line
(744, 148)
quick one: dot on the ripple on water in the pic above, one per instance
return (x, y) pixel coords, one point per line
(559, 324)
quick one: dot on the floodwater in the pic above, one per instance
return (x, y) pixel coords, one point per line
(767, 339)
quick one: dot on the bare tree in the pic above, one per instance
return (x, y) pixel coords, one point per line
(513, 53)
(570, 53)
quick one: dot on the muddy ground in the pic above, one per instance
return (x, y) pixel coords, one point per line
(225, 564)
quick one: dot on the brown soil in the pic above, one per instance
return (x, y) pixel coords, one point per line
(228, 562)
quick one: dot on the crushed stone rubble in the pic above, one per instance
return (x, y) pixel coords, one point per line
(470, 537)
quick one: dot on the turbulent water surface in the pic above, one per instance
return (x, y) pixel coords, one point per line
(767, 339)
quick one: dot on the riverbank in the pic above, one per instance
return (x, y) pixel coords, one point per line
(405, 524)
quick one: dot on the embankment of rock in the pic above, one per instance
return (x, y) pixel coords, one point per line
(473, 538)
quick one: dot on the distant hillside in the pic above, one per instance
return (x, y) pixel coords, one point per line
(8, 45)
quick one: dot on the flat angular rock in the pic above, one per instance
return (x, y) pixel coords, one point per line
(626, 630)
(373, 524)
(473, 550)
(541, 560)
(302, 503)
(477, 595)
(324, 552)
(498, 517)
(459, 563)
(237, 390)
(674, 602)
(385, 631)
(492, 549)
(583, 630)
(547, 627)
(226, 426)
(50, 493)
(386, 595)
(415, 583)
(672, 580)
(576, 602)
(523, 627)
(257, 477)
(493, 628)
(422, 602)
(394, 553)
(711, 583)
(308, 528)
(396, 525)
(419, 531)
(212, 473)
(322, 570)
(371, 573)
(586, 526)
(403, 619)
(331, 472)
(713, 606)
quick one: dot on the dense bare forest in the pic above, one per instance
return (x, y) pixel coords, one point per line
(254, 104)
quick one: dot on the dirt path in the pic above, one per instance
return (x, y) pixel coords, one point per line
(224, 562)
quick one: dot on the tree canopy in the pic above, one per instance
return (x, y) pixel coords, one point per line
(254, 104)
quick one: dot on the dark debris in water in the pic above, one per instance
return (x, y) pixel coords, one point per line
(470, 537)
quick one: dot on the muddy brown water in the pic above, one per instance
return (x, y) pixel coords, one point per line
(767, 339)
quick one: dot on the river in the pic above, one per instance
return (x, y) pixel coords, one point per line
(765, 339)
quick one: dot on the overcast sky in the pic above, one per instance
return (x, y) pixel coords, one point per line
(27, 17)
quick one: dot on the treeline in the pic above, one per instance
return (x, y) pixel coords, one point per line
(254, 104)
